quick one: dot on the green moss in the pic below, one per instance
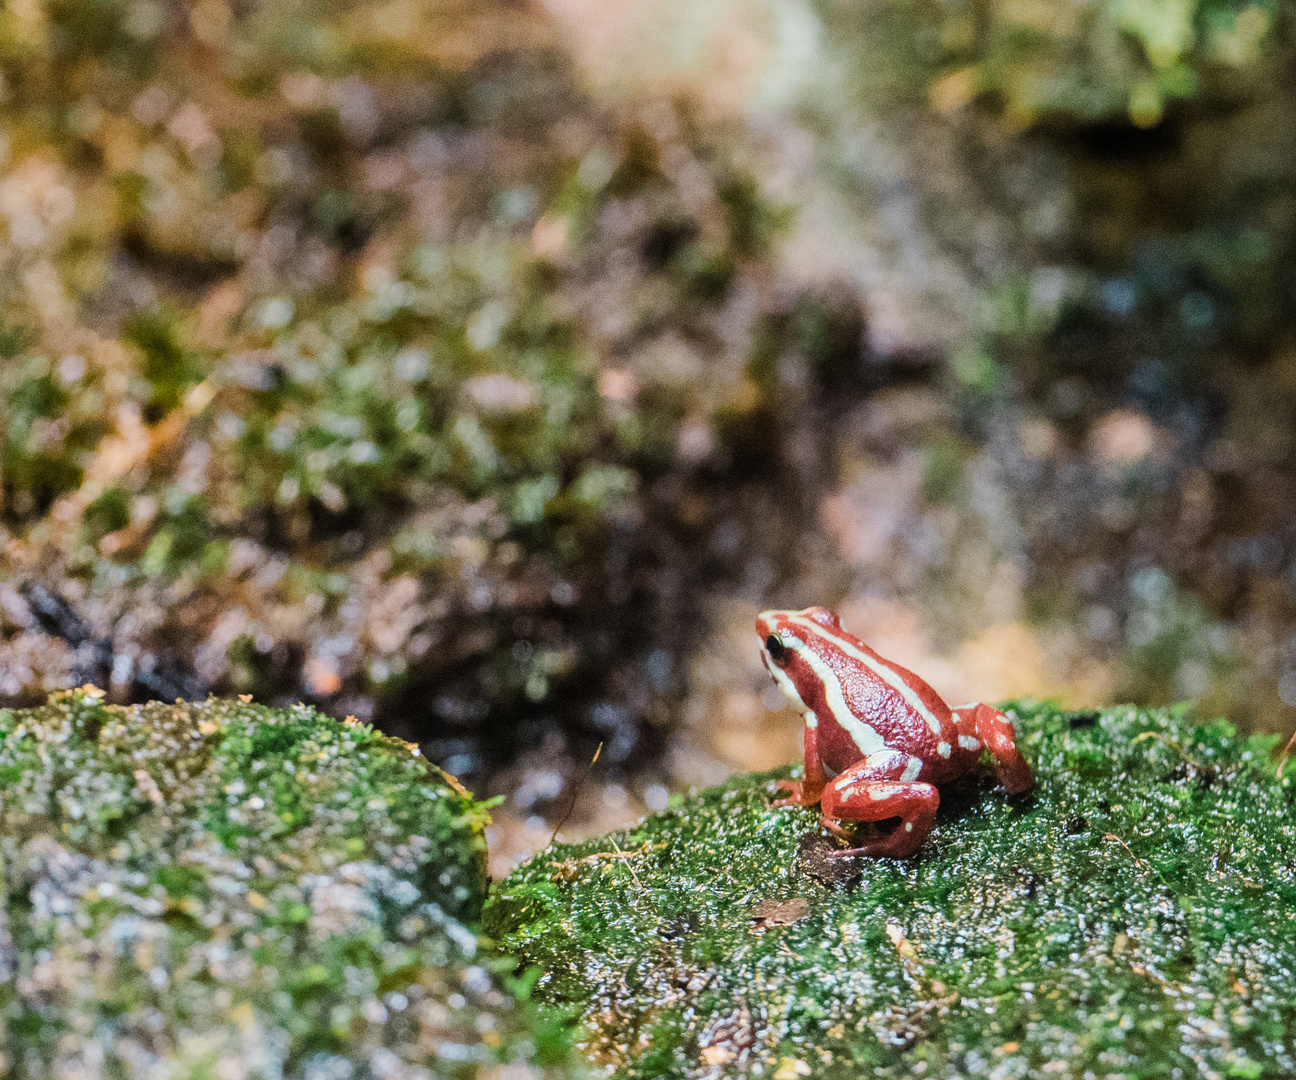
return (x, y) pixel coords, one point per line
(1133, 916)
(167, 366)
(1115, 61)
(271, 889)
(43, 435)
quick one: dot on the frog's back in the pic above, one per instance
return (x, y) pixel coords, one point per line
(903, 710)
(865, 704)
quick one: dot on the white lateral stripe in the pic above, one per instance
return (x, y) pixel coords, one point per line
(784, 683)
(887, 674)
(811, 720)
(868, 740)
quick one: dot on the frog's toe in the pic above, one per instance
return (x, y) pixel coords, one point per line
(897, 845)
(836, 828)
(795, 796)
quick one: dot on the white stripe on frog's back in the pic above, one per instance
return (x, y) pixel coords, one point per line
(864, 736)
(879, 668)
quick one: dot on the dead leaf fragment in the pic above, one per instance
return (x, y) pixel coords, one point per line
(570, 869)
(716, 1055)
(903, 945)
(779, 912)
(148, 787)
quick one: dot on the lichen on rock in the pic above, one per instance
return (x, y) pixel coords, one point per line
(1132, 916)
(222, 889)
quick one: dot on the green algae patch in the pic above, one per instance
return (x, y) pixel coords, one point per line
(1134, 916)
(226, 890)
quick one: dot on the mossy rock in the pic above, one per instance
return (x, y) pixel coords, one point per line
(225, 890)
(1134, 916)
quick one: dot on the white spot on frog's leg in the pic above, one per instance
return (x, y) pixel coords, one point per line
(943, 748)
(908, 826)
(911, 770)
(969, 743)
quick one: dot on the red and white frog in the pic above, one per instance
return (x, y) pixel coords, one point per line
(878, 740)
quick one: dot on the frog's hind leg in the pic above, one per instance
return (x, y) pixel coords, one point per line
(874, 790)
(980, 725)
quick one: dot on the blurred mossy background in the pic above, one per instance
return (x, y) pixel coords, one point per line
(478, 369)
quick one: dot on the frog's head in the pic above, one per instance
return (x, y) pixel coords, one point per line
(790, 647)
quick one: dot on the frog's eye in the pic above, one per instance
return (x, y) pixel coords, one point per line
(775, 647)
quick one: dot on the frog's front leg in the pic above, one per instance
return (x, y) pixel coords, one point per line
(984, 724)
(809, 789)
(864, 793)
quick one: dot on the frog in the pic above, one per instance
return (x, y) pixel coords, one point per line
(879, 741)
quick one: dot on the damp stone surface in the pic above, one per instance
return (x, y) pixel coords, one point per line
(1134, 916)
(226, 891)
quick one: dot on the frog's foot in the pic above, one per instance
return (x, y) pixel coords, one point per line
(851, 797)
(985, 724)
(806, 792)
(796, 794)
(838, 830)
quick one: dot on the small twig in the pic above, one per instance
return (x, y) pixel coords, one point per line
(571, 805)
(1282, 758)
(1170, 743)
(932, 1003)
(1147, 973)
(626, 861)
(1144, 862)
(569, 869)
(646, 849)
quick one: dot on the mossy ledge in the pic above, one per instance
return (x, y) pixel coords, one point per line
(221, 890)
(1135, 916)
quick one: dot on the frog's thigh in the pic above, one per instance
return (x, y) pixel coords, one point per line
(855, 798)
(885, 765)
(861, 799)
(880, 787)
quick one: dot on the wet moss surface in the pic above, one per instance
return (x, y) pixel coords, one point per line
(1134, 916)
(221, 889)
